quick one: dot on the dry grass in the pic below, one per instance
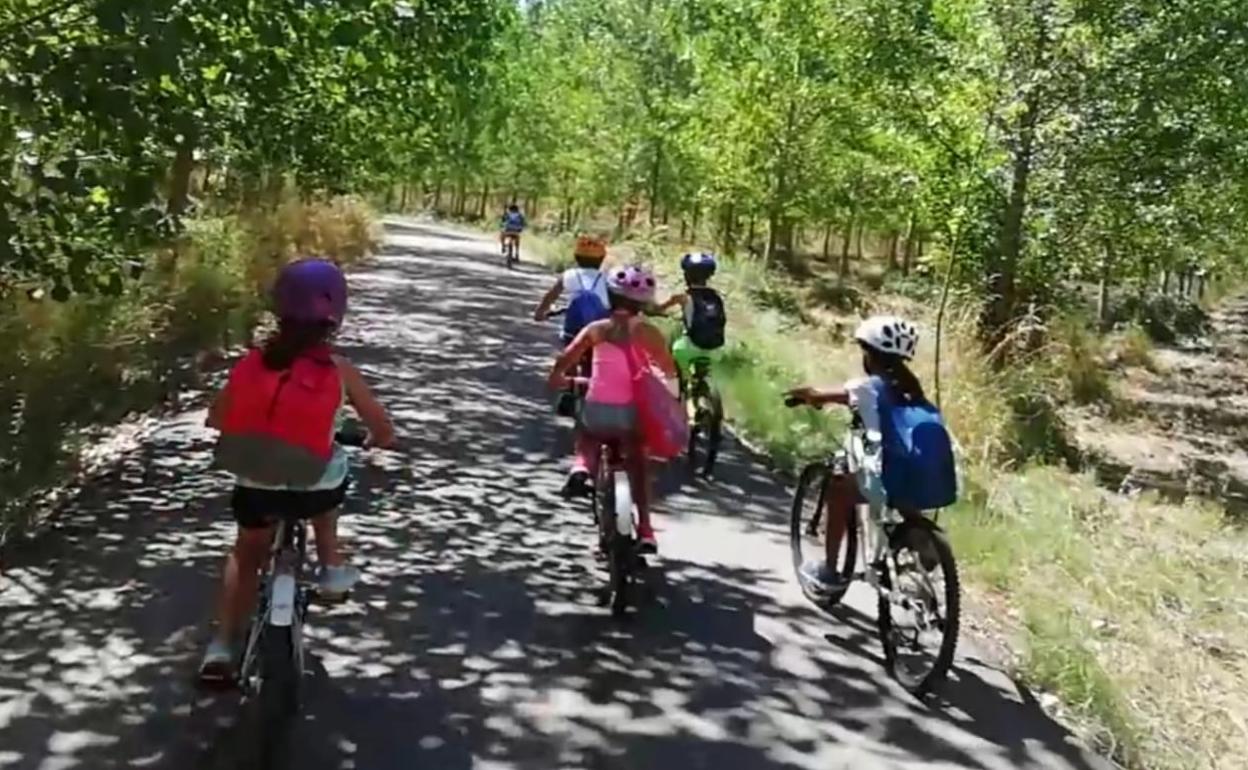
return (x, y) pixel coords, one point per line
(92, 360)
(1131, 610)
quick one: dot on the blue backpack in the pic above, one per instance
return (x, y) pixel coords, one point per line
(919, 471)
(585, 308)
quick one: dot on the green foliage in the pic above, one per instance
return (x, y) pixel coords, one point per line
(92, 359)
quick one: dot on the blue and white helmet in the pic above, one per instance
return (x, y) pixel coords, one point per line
(699, 263)
(889, 334)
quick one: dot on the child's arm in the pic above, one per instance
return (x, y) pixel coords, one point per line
(817, 397)
(548, 299)
(576, 349)
(676, 300)
(366, 405)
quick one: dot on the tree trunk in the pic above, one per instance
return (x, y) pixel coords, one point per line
(753, 231)
(1165, 282)
(858, 245)
(180, 179)
(655, 171)
(892, 251)
(437, 196)
(485, 197)
(1102, 296)
(697, 219)
(827, 241)
(843, 271)
(908, 255)
(726, 233)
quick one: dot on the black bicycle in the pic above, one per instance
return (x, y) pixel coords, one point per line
(906, 559)
(271, 666)
(706, 415)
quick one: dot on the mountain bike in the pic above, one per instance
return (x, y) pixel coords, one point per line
(906, 558)
(271, 666)
(706, 415)
(616, 516)
(511, 248)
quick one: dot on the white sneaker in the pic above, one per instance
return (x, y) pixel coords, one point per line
(338, 581)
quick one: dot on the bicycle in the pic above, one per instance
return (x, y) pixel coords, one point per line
(706, 414)
(271, 665)
(511, 248)
(571, 406)
(901, 553)
(616, 518)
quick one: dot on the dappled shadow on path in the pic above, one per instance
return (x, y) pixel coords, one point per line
(474, 639)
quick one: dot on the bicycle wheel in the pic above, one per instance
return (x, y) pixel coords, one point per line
(714, 431)
(920, 609)
(806, 527)
(621, 566)
(279, 674)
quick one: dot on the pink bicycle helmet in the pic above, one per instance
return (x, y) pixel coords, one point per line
(311, 290)
(634, 282)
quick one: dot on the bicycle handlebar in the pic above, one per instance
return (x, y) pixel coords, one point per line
(557, 313)
(793, 401)
(351, 437)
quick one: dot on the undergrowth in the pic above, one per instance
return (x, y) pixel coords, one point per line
(92, 360)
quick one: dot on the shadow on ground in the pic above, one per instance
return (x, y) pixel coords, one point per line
(474, 640)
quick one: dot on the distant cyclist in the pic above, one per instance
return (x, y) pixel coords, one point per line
(702, 313)
(586, 289)
(511, 225)
(618, 345)
(278, 414)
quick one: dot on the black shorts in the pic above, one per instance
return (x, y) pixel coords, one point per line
(258, 508)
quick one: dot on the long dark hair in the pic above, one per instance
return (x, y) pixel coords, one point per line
(293, 339)
(895, 373)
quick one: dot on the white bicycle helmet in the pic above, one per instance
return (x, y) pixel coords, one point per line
(889, 334)
(634, 282)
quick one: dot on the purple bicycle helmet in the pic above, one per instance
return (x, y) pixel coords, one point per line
(311, 290)
(634, 282)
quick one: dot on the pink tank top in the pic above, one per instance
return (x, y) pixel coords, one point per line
(611, 381)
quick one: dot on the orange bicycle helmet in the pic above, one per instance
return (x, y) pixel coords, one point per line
(589, 247)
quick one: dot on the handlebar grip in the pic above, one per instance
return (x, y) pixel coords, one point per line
(348, 437)
(557, 313)
(794, 401)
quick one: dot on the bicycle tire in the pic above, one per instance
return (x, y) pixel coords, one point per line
(714, 432)
(621, 576)
(920, 686)
(813, 479)
(279, 675)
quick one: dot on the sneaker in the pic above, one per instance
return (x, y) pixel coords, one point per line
(578, 484)
(646, 540)
(337, 581)
(821, 578)
(218, 664)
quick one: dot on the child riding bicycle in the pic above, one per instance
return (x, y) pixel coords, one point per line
(620, 345)
(883, 402)
(702, 315)
(277, 415)
(510, 227)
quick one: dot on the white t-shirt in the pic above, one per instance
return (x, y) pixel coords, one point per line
(864, 400)
(579, 279)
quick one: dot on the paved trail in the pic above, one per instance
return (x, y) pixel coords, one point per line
(474, 641)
